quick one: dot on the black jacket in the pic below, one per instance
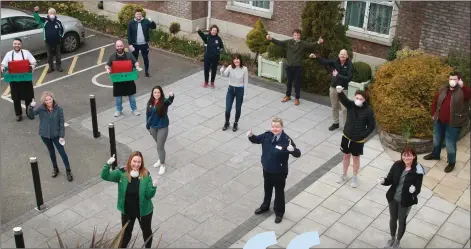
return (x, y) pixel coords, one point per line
(414, 177)
(344, 75)
(275, 155)
(360, 120)
(212, 44)
(132, 30)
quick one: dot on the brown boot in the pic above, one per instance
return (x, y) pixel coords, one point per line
(296, 102)
(286, 98)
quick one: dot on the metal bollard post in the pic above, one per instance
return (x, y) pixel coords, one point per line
(96, 133)
(37, 182)
(113, 144)
(19, 240)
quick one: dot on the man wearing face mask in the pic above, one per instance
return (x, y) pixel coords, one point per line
(53, 33)
(138, 37)
(360, 123)
(449, 113)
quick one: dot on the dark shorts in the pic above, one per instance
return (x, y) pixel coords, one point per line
(351, 147)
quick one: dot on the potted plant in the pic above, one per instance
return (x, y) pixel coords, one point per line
(361, 78)
(272, 65)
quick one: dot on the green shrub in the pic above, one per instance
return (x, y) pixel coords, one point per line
(403, 92)
(406, 52)
(460, 62)
(315, 79)
(395, 46)
(256, 39)
(361, 72)
(275, 52)
(127, 12)
(174, 28)
(62, 7)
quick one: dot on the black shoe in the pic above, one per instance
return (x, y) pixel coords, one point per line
(69, 176)
(333, 127)
(59, 68)
(431, 157)
(50, 69)
(449, 168)
(226, 125)
(147, 75)
(234, 127)
(260, 211)
(55, 172)
(278, 219)
(19, 118)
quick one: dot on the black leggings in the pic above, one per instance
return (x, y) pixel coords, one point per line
(144, 221)
(397, 212)
(210, 64)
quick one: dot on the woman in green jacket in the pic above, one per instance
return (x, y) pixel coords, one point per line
(135, 191)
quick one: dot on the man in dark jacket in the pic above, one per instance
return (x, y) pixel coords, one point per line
(342, 74)
(449, 113)
(138, 37)
(360, 123)
(53, 33)
(276, 148)
(294, 55)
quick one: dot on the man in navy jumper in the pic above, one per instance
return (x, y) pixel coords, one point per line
(276, 148)
(53, 31)
(138, 37)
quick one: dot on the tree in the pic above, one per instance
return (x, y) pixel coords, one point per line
(256, 39)
(323, 19)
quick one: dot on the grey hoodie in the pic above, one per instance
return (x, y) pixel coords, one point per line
(51, 124)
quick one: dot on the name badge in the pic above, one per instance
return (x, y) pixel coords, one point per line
(278, 147)
(216, 41)
(57, 27)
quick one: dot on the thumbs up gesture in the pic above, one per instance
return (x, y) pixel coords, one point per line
(290, 147)
(111, 160)
(154, 183)
(412, 189)
(249, 133)
(339, 89)
(33, 103)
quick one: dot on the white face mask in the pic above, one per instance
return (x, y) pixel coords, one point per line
(452, 83)
(134, 173)
(358, 102)
(52, 17)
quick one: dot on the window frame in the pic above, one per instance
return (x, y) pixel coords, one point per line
(250, 9)
(251, 6)
(17, 26)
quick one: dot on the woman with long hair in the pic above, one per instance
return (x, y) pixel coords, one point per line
(238, 81)
(52, 130)
(213, 47)
(157, 122)
(135, 192)
(405, 178)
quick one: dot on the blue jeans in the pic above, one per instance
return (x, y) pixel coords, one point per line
(238, 94)
(50, 143)
(119, 103)
(450, 134)
(144, 48)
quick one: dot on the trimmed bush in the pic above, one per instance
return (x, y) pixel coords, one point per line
(395, 46)
(275, 53)
(256, 39)
(127, 12)
(361, 72)
(461, 63)
(403, 92)
(406, 52)
(174, 28)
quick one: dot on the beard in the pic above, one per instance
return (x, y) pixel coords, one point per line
(120, 51)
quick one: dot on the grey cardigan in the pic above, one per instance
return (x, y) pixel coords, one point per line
(51, 125)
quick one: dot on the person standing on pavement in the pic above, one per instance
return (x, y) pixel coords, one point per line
(138, 37)
(449, 113)
(157, 122)
(22, 90)
(125, 88)
(53, 32)
(359, 125)
(405, 178)
(52, 130)
(213, 47)
(238, 81)
(276, 148)
(135, 192)
(294, 53)
(341, 76)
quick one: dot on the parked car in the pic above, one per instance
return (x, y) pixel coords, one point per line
(18, 24)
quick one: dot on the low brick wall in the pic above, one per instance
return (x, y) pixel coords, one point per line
(397, 142)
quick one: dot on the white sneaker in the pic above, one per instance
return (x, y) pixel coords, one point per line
(117, 114)
(162, 169)
(157, 164)
(342, 179)
(354, 182)
(136, 112)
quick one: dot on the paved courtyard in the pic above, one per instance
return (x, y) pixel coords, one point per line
(213, 181)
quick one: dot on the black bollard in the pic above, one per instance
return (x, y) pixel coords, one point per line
(19, 240)
(96, 133)
(113, 144)
(37, 182)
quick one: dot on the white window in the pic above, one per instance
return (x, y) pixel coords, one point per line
(256, 8)
(376, 18)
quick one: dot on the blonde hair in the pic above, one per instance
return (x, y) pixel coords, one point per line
(46, 94)
(51, 11)
(277, 120)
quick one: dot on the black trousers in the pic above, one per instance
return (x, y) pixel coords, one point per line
(144, 221)
(277, 181)
(294, 74)
(17, 106)
(397, 212)
(144, 48)
(54, 50)
(210, 63)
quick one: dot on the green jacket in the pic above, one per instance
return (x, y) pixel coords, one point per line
(146, 189)
(294, 50)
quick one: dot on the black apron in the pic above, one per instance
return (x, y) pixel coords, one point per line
(125, 88)
(21, 90)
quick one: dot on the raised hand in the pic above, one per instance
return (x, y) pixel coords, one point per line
(249, 133)
(339, 89)
(36, 8)
(380, 180)
(111, 160)
(460, 82)
(108, 69)
(320, 41)
(334, 73)
(170, 93)
(33, 103)
(154, 183)
(62, 141)
(197, 28)
(290, 147)
(412, 189)
(312, 56)
(268, 37)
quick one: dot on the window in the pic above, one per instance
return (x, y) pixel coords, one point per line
(256, 8)
(256, 5)
(372, 18)
(7, 28)
(25, 23)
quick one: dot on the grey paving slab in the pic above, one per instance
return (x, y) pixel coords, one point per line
(342, 233)
(440, 242)
(355, 220)
(454, 233)
(203, 209)
(187, 173)
(206, 232)
(175, 227)
(410, 240)
(188, 242)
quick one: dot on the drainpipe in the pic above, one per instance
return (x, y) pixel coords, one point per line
(208, 19)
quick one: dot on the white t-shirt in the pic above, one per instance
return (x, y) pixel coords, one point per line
(17, 56)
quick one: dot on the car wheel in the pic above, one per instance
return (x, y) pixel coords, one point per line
(70, 42)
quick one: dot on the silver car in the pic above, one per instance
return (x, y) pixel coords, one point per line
(18, 24)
